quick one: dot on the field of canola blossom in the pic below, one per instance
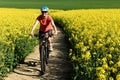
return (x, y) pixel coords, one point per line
(15, 42)
(94, 35)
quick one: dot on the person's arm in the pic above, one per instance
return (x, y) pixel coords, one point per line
(33, 28)
(54, 27)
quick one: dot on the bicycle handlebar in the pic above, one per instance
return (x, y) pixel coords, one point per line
(41, 36)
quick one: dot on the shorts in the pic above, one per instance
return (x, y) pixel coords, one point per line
(50, 33)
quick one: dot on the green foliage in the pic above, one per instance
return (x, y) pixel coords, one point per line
(24, 45)
(61, 4)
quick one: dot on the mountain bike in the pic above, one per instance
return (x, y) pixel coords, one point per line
(44, 51)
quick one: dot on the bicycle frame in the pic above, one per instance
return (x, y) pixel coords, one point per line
(43, 49)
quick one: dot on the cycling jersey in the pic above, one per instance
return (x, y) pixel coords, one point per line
(45, 23)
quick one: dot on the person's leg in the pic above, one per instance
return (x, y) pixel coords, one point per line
(50, 44)
(49, 40)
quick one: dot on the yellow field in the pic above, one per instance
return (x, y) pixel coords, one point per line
(95, 41)
(15, 42)
(94, 35)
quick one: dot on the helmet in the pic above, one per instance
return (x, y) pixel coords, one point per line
(44, 8)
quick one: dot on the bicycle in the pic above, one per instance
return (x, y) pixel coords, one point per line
(44, 51)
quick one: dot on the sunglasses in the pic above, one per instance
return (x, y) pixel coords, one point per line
(44, 11)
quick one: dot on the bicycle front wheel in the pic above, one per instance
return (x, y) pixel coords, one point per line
(46, 55)
(42, 58)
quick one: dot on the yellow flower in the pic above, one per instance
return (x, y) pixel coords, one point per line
(118, 77)
(111, 48)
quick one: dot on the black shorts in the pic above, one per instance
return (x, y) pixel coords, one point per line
(50, 34)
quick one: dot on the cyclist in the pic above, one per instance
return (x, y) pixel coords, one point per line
(46, 25)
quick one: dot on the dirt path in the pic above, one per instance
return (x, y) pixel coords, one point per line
(58, 67)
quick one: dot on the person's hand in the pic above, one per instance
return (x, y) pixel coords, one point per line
(32, 34)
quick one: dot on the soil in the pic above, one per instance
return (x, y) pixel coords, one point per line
(58, 68)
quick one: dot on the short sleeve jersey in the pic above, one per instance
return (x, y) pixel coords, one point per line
(45, 23)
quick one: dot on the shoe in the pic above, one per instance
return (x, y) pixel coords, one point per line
(41, 73)
(50, 48)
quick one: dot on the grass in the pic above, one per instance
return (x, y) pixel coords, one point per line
(61, 4)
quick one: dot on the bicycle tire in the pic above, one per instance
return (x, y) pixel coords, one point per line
(46, 55)
(42, 53)
(47, 52)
